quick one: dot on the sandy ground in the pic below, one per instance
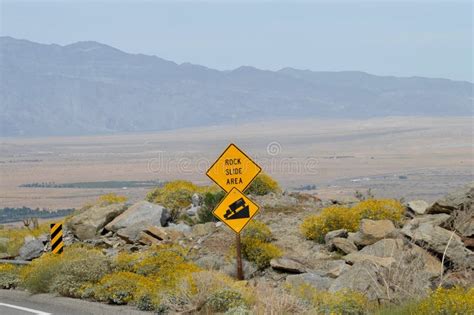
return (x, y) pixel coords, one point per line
(397, 157)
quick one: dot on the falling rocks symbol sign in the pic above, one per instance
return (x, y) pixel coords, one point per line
(236, 210)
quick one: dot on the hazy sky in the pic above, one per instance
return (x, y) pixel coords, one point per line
(402, 38)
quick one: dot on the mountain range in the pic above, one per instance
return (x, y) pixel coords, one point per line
(91, 88)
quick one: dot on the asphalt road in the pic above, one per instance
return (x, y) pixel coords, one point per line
(15, 302)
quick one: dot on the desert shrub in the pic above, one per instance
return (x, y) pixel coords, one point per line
(67, 273)
(263, 184)
(205, 287)
(257, 230)
(331, 218)
(256, 245)
(109, 199)
(258, 252)
(223, 300)
(210, 201)
(448, 301)
(9, 276)
(379, 209)
(340, 302)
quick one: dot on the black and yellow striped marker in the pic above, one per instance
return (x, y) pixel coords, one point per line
(57, 238)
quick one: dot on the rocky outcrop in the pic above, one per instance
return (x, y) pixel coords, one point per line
(459, 200)
(440, 241)
(136, 218)
(362, 276)
(89, 223)
(333, 234)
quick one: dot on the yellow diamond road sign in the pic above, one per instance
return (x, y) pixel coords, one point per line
(233, 169)
(236, 210)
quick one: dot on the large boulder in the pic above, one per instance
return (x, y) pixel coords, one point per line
(288, 264)
(136, 218)
(418, 206)
(437, 239)
(371, 231)
(379, 261)
(362, 276)
(397, 250)
(87, 225)
(342, 244)
(331, 268)
(333, 234)
(461, 200)
(32, 248)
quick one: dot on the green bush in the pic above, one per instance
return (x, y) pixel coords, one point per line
(223, 300)
(210, 201)
(262, 185)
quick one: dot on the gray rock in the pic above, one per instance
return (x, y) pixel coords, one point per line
(343, 244)
(436, 238)
(44, 238)
(418, 206)
(359, 257)
(433, 219)
(330, 268)
(362, 277)
(180, 227)
(87, 224)
(288, 264)
(372, 231)
(314, 280)
(193, 210)
(196, 200)
(461, 200)
(32, 249)
(139, 216)
(336, 233)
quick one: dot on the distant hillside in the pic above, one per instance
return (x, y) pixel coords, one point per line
(88, 87)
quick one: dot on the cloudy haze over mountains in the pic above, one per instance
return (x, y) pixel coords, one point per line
(89, 88)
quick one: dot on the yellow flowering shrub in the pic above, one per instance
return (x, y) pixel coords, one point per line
(379, 209)
(448, 301)
(256, 246)
(331, 218)
(176, 195)
(9, 276)
(109, 199)
(340, 302)
(262, 185)
(257, 230)
(123, 287)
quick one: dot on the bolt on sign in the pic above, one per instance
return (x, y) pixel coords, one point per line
(236, 210)
(233, 169)
(56, 238)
